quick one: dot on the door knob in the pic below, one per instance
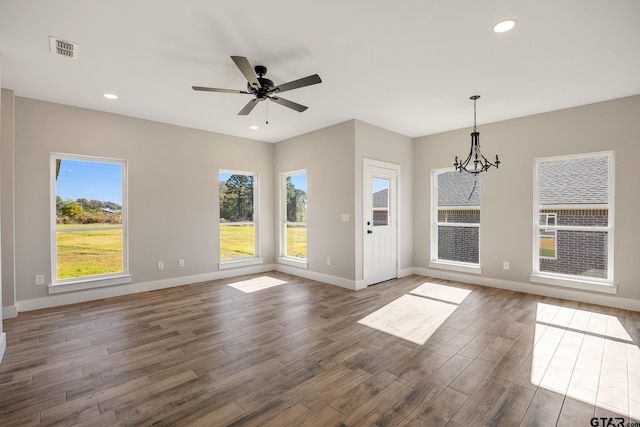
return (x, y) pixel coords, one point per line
(369, 231)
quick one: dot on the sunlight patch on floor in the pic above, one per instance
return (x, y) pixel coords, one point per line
(441, 292)
(257, 284)
(587, 356)
(416, 316)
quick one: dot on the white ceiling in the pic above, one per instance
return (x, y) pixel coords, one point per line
(408, 65)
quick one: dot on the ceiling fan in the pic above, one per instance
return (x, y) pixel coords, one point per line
(262, 88)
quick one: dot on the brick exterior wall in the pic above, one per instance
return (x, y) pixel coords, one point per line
(579, 253)
(380, 218)
(459, 243)
(468, 216)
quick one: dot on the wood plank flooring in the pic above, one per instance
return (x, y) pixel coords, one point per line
(278, 350)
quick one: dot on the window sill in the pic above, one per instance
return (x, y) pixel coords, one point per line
(78, 285)
(294, 262)
(456, 266)
(243, 262)
(584, 285)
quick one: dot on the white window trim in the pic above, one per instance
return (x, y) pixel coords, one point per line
(574, 282)
(461, 267)
(547, 227)
(293, 262)
(240, 262)
(567, 280)
(435, 262)
(245, 260)
(88, 282)
(284, 258)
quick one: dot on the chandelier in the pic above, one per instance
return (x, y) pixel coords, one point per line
(475, 161)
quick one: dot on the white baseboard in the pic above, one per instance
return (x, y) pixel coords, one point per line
(404, 272)
(535, 289)
(114, 291)
(9, 312)
(325, 278)
(3, 345)
(362, 284)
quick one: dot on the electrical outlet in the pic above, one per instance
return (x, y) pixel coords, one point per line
(505, 265)
(328, 261)
(180, 263)
(39, 279)
(160, 265)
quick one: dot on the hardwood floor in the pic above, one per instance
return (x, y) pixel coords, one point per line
(278, 350)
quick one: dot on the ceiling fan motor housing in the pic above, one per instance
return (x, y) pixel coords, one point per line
(260, 70)
(262, 92)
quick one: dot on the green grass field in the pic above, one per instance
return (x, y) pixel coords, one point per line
(297, 242)
(236, 241)
(93, 252)
(88, 253)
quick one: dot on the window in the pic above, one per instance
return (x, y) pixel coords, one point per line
(238, 223)
(455, 227)
(573, 218)
(294, 216)
(548, 241)
(89, 234)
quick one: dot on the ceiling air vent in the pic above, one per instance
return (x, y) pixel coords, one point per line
(63, 47)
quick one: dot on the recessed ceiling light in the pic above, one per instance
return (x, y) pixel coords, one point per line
(254, 127)
(110, 95)
(504, 26)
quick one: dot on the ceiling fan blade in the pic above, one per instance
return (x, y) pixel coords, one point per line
(305, 81)
(247, 70)
(213, 89)
(288, 104)
(247, 108)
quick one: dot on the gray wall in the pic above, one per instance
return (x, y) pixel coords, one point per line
(173, 188)
(174, 202)
(6, 190)
(328, 157)
(2, 336)
(333, 158)
(506, 220)
(376, 143)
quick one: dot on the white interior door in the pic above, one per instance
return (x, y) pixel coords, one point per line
(380, 222)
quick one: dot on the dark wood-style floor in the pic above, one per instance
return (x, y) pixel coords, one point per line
(236, 351)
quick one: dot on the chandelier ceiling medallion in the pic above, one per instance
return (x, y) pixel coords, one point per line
(475, 161)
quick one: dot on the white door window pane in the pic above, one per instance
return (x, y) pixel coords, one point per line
(380, 214)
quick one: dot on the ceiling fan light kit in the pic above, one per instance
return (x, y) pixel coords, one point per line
(262, 88)
(475, 161)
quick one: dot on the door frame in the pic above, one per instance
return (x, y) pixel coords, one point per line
(363, 283)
